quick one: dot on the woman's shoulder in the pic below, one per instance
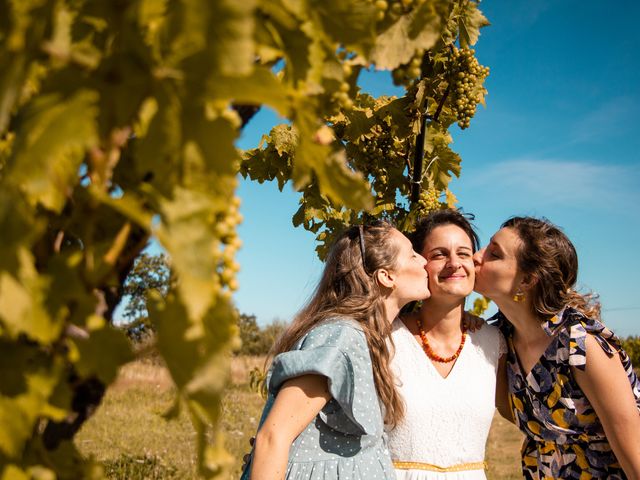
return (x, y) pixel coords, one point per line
(334, 332)
(489, 340)
(486, 333)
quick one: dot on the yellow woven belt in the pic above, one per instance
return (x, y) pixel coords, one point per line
(435, 468)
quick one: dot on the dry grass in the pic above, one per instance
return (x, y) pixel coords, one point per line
(131, 437)
(503, 450)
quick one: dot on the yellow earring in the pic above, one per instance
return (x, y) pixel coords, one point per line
(519, 297)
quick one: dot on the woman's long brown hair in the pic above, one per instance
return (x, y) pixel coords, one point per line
(549, 257)
(348, 288)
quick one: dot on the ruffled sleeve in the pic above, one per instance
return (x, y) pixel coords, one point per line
(578, 326)
(338, 351)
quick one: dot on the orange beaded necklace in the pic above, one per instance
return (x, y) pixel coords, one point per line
(433, 355)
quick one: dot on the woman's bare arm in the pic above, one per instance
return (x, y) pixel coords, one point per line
(297, 403)
(607, 387)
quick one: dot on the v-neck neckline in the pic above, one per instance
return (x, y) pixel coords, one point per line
(536, 365)
(417, 344)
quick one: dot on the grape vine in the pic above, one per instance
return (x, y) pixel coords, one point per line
(118, 122)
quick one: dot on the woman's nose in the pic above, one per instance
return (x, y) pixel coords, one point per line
(454, 261)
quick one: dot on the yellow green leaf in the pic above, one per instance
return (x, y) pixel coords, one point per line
(102, 353)
(351, 24)
(187, 233)
(418, 30)
(45, 162)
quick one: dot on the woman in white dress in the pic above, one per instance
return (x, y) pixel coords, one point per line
(445, 373)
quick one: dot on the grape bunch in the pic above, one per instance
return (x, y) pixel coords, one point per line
(467, 90)
(391, 10)
(342, 96)
(226, 225)
(380, 145)
(429, 201)
(406, 74)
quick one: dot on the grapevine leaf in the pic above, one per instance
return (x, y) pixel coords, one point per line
(275, 160)
(45, 163)
(470, 21)
(360, 122)
(21, 302)
(260, 87)
(151, 17)
(128, 205)
(231, 37)
(106, 349)
(382, 207)
(20, 408)
(351, 24)
(187, 233)
(155, 155)
(446, 163)
(19, 228)
(341, 184)
(418, 30)
(199, 367)
(172, 323)
(16, 426)
(12, 74)
(12, 472)
(59, 46)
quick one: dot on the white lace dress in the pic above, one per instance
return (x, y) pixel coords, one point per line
(447, 420)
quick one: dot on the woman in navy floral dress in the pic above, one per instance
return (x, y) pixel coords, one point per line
(572, 388)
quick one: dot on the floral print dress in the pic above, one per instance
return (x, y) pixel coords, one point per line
(564, 437)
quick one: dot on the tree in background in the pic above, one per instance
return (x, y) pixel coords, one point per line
(249, 335)
(150, 275)
(118, 121)
(257, 340)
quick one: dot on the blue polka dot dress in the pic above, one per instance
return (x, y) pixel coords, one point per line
(346, 439)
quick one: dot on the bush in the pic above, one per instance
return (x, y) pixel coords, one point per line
(256, 340)
(632, 347)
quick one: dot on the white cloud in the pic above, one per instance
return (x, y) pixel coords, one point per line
(545, 182)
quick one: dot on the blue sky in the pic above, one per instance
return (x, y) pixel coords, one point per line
(559, 138)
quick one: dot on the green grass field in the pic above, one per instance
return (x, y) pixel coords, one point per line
(130, 437)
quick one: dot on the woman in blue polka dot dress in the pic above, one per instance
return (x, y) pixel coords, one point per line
(330, 388)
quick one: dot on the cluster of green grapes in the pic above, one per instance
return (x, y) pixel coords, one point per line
(467, 90)
(342, 96)
(406, 74)
(393, 9)
(379, 147)
(226, 230)
(429, 201)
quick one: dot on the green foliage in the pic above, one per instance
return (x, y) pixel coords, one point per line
(631, 345)
(250, 335)
(257, 340)
(367, 142)
(149, 273)
(118, 121)
(480, 305)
